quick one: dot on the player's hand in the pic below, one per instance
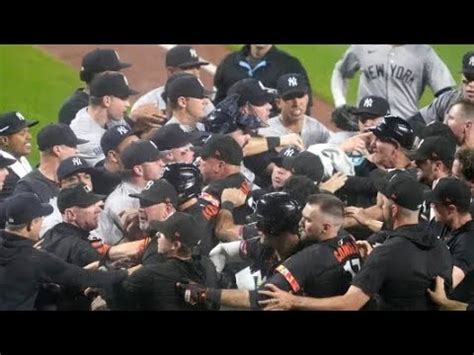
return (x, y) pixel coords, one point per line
(191, 292)
(129, 219)
(234, 195)
(357, 143)
(99, 304)
(278, 300)
(292, 139)
(149, 114)
(438, 295)
(365, 248)
(334, 183)
(357, 213)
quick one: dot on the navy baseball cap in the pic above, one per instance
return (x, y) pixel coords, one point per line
(139, 152)
(111, 83)
(402, 188)
(178, 227)
(24, 207)
(292, 84)
(113, 137)
(57, 134)
(79, 195)
(13, 122)
(6, 162)
(395, 129)
(100, 60)
(171, 136)
(187, 86)
(372, 106)
(183, 57)
(252, 90)
(157, 191)
(73, 165)
(468, 63)
(451, 191)
(282, 159)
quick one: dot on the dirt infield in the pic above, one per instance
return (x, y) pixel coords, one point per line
(148, 70)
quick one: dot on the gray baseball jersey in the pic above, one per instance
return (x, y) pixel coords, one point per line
(154, 97)
(313, 132)
(397, 73)
(440, 105)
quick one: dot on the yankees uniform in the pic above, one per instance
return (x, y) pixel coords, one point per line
(399, 73)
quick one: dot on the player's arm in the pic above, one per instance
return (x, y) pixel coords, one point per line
(343, 69)
(438, 76)
(439, 297)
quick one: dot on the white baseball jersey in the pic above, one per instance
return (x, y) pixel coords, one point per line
(398, 73)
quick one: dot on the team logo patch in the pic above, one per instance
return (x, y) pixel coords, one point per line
(368, 102)
(292, 81)
(295, 286)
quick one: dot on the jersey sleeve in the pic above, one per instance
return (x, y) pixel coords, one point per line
(463, 254)
(437, 73)
(371, 276)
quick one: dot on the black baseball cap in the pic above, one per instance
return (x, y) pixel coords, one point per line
(282, 159)
(292, 84)
(73, 165)
(139, 152)
(372, 106)
(24, 207)
(186, 86)
(113, 137)
(183, 57)
(222, 147)
(157, 191)
(435, 148)
(6, 162)
(100, 60)
(252, 90)
(13, 122)
(164, 94)
(111, 83)
(57, 134)
(179, 226)
(171, 136)
(436, 128)
(309, 165)
(402, 188)
(396, 129)
(468, 63)
(451, 191)
(79, 195)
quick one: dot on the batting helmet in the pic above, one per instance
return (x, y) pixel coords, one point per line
(185, 178)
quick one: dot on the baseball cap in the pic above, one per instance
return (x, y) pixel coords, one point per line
(468, 63)
(292, 84)
(223, 148)
(186, 86)
(73, 165)
(24, 207)
(171, 136)
(139, 152)
(5, 162)
(309, 165)
(113, 137)
(451, 191)
(396, 129)
(373, 106)
(183, 56)
(100, 60)
(57, 134)
(14, 122)
(436, 128)
(435, 148)
(79, 195)
(164, 94)
(111, 83)
(252, 90)
(402, 188)
(157, 191)
(179, 226)
(282, 159)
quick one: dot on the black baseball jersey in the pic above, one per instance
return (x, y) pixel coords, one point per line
(401, 269)
(72, 105)
(263, 258)
(323, 269)
(103, 181)
(39, 184)
(461, 247)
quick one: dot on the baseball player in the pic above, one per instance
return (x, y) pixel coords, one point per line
(398, 73)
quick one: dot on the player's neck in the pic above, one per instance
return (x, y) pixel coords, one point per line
(98, 114)
(460, 220)
(295, 126)
(188, 204)
(48, 167)
(184, 118)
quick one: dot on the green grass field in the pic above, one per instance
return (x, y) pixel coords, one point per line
(319, 61)
(35, 84)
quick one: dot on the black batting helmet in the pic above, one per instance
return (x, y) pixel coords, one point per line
(277, 212)
(185, 178)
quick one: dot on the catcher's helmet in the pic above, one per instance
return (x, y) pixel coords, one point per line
(185, 178)
(277, 212)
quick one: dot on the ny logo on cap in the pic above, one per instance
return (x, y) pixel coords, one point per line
(76, 161)
(20, 116)
(193, 53)
(87, 189)
(148, 185)
(471, 61)
(289, 152)
(122, 130)
(292, 81)
(368, 102)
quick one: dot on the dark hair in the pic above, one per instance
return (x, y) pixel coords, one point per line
(95, 101)
(466, 158)
(300, 187)
(328, 203)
